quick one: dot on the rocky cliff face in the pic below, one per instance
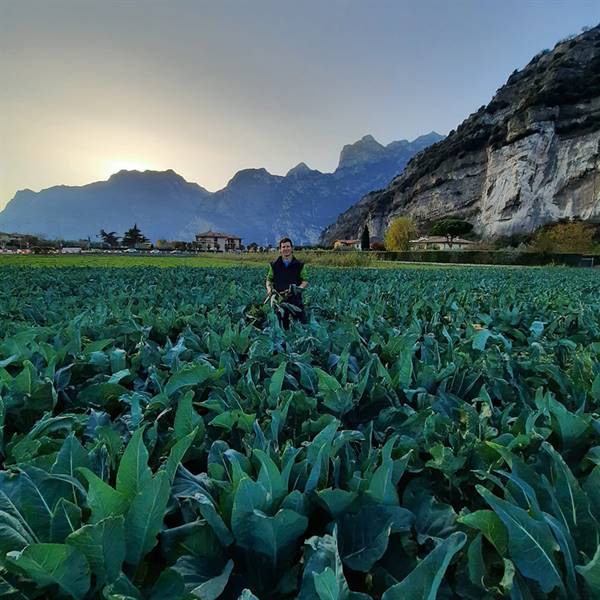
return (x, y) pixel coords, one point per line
(256, 205)
(531, 156)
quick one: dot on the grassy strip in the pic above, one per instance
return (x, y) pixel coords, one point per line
(325, 259)
(312, 258)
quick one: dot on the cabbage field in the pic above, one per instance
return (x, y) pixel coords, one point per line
(427, 434)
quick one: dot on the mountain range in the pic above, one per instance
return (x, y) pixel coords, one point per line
(255, 205)
(530, 157)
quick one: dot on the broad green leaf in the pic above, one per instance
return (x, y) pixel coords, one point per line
(489, 523)
(270, 477)
(103, 544)
(118, 360)
(592, 489)
(169, 585)
(591, 573)
(232, 418)
(569, 552)
(315, 473)
(177, 454)
(382, 487)
(144, 518)
(571, 504)
(327, 383)
(321, 554)
(134, 473)
(274, 537)
(476, 563)
(537, 328)
(572, 428)
(59, 564)
(103, 500)
(195, 538)
(213, 588)
(186, 419)
(23, 382)
(122, 589)
(203, 578)
(480, 339)
(214, 519)
(423, 582)
(336, 501)
(118, 376)
(66, 518)
(530, 543)
(22, 497)
(277, 381)
(595, 391)
(101, 394)
(189, 375)
(14, 534)
(363, 536)
(327, 586)
(70, 457)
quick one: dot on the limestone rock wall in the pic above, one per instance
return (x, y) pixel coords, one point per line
(531, 156)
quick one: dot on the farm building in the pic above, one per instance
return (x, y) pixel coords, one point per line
(12, 239)
(219, 242)
(346, 245)
(440, 242)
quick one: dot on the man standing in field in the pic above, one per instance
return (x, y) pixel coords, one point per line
(287, 276)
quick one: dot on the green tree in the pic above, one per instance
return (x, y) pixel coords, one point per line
(450, 228)
(109, 238)
(365, 239)
(133, 237)
(399, 233)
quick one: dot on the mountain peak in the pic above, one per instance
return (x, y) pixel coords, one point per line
(135, 175)
(300, 169)
(250, 175)
(364, 150)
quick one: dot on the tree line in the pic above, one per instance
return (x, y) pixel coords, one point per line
(566, 235)
(131, 238)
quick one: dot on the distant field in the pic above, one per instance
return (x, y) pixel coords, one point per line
(112, 260)
(324, 259)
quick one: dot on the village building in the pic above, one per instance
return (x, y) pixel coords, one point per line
(14, 239)
(213, 241)
(346, 245)
(440, 242)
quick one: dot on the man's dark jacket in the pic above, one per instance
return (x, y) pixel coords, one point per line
(284, 276)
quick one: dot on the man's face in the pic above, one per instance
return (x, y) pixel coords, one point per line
(286, 250)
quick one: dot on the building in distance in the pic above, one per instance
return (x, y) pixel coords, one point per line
(440, 242)
(214, 241)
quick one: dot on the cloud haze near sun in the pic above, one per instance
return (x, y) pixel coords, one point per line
(208, 88)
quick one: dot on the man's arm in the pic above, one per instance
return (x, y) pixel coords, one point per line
(269, 281)
(303, 277)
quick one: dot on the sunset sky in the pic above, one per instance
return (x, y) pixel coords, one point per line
(207, 88)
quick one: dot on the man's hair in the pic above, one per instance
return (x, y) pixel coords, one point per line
(284, 240)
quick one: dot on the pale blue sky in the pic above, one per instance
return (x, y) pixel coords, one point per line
(208, 88)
